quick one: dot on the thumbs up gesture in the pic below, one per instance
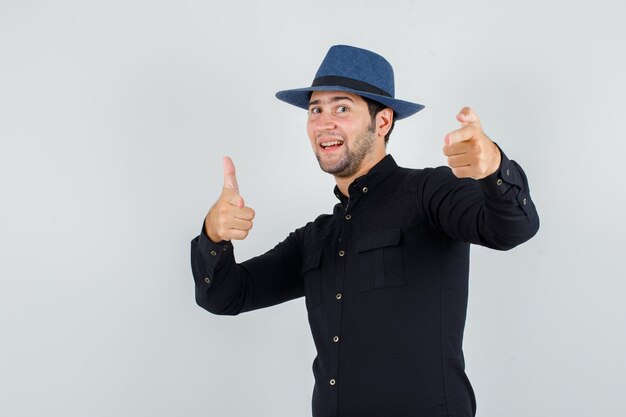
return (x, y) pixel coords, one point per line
(229, 218)
(471, 154)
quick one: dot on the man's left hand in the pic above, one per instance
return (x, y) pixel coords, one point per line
(471, 154)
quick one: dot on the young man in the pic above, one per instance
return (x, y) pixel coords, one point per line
(385, 277)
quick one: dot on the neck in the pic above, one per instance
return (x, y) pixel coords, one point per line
(343, 183)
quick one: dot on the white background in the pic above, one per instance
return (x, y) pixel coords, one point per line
(114, 117)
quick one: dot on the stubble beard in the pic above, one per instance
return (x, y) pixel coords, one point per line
(350, 161)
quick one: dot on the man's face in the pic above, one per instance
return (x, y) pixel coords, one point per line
(341, 132)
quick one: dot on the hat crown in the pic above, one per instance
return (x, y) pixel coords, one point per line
(358, 64)
(354, 70)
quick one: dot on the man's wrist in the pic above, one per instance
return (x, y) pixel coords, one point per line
(213, 237)
(497, 160)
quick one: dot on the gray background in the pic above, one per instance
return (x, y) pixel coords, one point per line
(114, 116)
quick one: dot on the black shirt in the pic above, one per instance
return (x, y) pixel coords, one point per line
(386, 283)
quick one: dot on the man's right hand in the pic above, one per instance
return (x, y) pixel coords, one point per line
(229, 218)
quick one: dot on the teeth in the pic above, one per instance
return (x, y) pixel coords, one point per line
(331, 143)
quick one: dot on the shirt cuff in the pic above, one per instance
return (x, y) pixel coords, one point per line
(501, 181)
(213, 256)
(508, 183)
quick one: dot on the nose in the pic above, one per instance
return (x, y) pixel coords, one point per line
(324, 122)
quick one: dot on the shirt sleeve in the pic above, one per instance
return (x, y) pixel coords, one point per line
(496, 211)
(223, 286)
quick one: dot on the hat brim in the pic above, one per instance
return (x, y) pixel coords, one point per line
(300, 97)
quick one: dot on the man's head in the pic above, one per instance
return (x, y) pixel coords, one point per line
(352, 109)
(345, 133)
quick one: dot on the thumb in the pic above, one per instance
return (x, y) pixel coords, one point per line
(230, 180)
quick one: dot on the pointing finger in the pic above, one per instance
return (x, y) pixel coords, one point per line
(460, 135)
(230, 180)
(467, 115)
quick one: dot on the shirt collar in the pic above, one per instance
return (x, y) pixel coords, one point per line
(368, 182)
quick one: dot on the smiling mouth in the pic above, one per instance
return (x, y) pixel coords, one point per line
(331, 144)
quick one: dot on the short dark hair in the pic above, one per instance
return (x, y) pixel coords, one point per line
(374, 108)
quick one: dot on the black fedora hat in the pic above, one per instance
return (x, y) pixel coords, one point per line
(355, 70)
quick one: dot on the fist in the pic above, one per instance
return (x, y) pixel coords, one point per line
(229, 218)
(471, 154)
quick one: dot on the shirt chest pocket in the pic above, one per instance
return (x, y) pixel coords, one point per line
(380, 260)
(311, 270)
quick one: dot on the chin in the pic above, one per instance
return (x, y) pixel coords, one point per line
(332, 166)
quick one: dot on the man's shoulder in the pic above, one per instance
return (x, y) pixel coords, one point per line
(420, 175)
(424, 171)
(320, 225)
(317, 228)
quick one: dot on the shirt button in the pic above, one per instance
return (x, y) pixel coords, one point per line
(207, 280)
(508, 173)
(213, 253)
(524, 201)
(338, 296)
(341, 253)
(224, 248)
(333, 382)
(348, 217)
(365, 190)
(336, 339)
(499, 182)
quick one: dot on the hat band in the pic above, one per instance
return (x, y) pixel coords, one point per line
(350, 83)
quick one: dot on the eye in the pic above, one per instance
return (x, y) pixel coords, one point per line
(314, 110)
(342, 109)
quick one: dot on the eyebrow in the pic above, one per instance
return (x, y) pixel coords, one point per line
(332, 100)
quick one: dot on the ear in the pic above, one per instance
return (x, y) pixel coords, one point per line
(384, 120)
